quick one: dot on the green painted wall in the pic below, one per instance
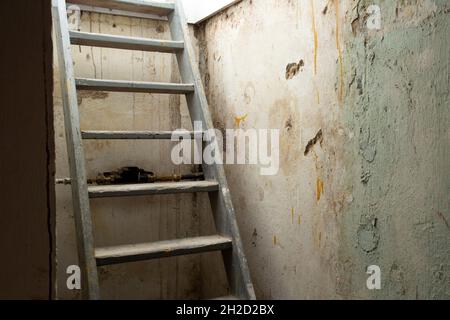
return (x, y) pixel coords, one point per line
(397, 104)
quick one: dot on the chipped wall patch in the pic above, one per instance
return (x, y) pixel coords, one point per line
(317, 139)
(368, 234)
(292, 69)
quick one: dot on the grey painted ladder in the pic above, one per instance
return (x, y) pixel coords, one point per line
(228, 240)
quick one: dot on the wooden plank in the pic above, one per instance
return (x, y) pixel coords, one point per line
(137, 135)
(141, 6)
(82, 215)
(161, 249)
(223, 209)
(133, 86)
(128, 43)
(84, 8)
(133, 190)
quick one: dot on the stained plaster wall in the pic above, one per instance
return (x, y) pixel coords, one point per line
(364, 118)
(131, 220)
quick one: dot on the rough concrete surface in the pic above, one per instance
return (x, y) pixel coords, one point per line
(365, 142)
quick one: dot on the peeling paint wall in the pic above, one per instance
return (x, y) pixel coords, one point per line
(365, 142)
(138, 219)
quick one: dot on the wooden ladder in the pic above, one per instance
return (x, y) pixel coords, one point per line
(228, 240)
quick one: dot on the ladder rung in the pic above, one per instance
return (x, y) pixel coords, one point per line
(119, 42)
(133, 86)
(137, 135)
(141, 6)
(132, 190)
(162, 249)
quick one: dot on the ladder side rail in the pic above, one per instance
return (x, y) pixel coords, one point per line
(80, 199)
(224, 214)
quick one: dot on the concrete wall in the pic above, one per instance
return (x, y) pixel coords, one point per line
(133, 220)
(197, 10)
(27, 156)
(373, 187)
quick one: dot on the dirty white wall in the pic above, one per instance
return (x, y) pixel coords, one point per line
(373, 189)
(130, 220)
(197, 10)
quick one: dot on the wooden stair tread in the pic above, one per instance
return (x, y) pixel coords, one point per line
(127, 43)
(130, 190)
(148, 7)
(133, 86)
(161, 249)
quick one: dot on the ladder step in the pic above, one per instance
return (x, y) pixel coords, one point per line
(141, 6)
(137, 135)
(133, 86)
(118, 42)
(162, 249)
(112, 191)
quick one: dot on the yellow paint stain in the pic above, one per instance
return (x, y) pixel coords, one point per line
(275, 240)
(299, 220)
(338, 46)
(319, 189)
(314, 29)
(239, 120)
(292, 215)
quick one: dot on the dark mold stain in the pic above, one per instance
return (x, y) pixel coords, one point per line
(254, 238)
(289, 124)
(160, 29)
(94, 95)
(365, 177)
